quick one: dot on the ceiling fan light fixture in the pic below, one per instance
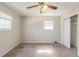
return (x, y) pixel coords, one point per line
(45, 6)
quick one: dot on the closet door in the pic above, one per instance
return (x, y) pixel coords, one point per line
(67, 32)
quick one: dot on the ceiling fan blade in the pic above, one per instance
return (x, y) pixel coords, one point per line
(40, 3)
(32, 6)
(52, 7)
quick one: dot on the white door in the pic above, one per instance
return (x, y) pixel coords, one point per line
(67, 32)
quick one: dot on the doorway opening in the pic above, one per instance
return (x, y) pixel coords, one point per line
(73, 31)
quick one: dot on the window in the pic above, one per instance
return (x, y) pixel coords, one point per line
(5, 21)
(5, 24)
(48, 25)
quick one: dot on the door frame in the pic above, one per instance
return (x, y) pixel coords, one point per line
(77, 13)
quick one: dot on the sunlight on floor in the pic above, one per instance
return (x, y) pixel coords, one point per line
(48, 51)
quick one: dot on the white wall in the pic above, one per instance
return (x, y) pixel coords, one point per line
(9, 39)
(33, 31)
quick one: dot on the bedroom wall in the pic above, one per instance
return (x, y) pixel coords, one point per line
(33, 29)
(10, 38)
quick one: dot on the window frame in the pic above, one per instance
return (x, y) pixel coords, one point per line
(48, 25)
(7, 19)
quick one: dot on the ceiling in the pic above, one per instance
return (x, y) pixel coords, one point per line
(20, 8)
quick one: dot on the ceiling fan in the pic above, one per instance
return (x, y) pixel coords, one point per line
(43, 6)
